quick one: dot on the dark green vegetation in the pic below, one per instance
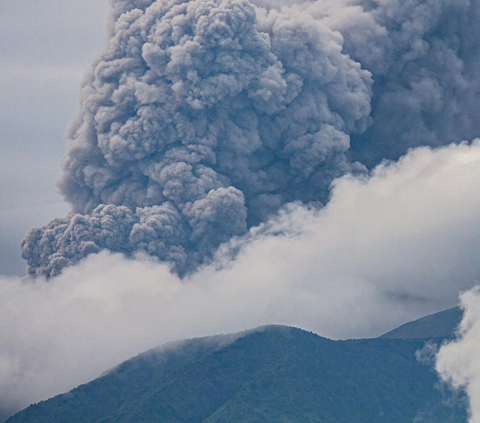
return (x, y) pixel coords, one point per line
(275, 374)
(438, 325)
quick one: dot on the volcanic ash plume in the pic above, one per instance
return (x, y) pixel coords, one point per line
(201, 119)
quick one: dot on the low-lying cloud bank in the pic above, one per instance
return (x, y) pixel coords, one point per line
(458, 362)
(388, 248)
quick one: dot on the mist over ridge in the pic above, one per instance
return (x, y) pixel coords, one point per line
(386, 249)
(202, 119)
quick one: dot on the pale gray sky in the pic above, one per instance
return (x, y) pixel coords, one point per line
(45, 47)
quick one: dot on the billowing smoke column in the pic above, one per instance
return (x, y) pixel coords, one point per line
(202, 118)
(425, 60)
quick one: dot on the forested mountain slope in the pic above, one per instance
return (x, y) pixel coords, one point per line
(273, 374)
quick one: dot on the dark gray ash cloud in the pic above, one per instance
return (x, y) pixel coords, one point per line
(425, 57)
(202, 119)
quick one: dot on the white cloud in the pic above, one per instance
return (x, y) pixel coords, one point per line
(385, 250)
(458, 362)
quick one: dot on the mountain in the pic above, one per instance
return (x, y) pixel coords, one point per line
(438, 325)
(273, 374)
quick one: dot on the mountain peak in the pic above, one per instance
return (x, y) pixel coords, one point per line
(439, 325)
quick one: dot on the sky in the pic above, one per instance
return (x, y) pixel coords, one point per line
(224, 229)
(45, 48)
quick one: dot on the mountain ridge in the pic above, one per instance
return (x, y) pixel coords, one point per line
(437, 325)
(272, 374)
